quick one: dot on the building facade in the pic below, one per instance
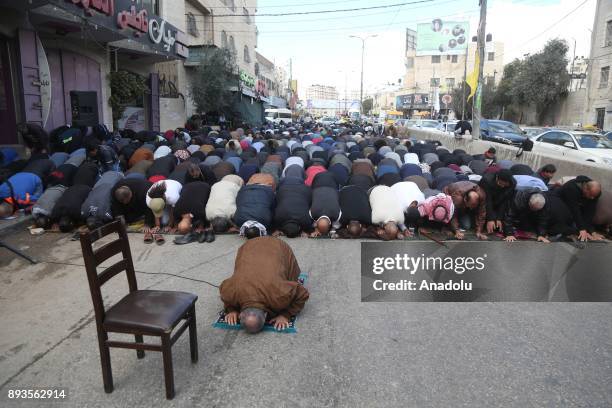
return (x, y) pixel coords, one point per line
(54, 50)
(598, 108)
(321, 92)
(430, 76)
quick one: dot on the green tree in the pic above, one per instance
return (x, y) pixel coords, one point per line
(490, 109)
(505, 94)
(211, 89)
(126, 88)
(367, 105)
(542, 78)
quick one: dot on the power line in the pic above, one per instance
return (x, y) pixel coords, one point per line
(343, 28)
(550, 27)
(300, 13)
(240, 17)
(286, 5)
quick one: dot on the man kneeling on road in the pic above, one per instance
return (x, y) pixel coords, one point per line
(264, 285)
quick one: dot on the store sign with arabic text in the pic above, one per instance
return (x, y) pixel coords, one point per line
(135, 20)
(246, 79)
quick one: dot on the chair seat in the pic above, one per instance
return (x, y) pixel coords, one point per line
(148, 311)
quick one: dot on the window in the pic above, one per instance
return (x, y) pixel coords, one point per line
(410, 40)
(608, 34)
(247, 18)
(603, 78)
(409, 62)
(232, 45)
(454, 59)
(247, 56)
(450, 83)
(435, 59)
(434, 82)
(556, 138)
(491, 56)
(151, 5)
(223, 39)
(192, 26)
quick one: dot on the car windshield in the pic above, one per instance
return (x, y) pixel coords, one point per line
(429, 124)
(533, 132)
(592, 141)
(502, 127)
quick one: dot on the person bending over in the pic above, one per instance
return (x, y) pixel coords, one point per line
(264, 286)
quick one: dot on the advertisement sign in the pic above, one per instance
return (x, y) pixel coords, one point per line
(442, 37)
(246, 79)
(412, 101)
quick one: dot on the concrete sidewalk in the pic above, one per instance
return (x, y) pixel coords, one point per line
(346, 353)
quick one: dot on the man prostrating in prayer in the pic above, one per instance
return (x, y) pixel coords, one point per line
(264, 286)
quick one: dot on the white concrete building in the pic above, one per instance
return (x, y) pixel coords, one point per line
(598, 109)
(321, 92)
(213, 23)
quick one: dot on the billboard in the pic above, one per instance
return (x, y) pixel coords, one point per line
(442, 37)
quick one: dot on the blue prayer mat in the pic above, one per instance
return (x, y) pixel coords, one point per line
(221, 324)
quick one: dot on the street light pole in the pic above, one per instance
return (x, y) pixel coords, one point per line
(363, 40)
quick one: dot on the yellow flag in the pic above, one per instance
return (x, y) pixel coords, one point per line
(472, 79)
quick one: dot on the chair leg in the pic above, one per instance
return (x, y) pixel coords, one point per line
(107, 373)
(193, 336)
(139, 353)
(168, 370)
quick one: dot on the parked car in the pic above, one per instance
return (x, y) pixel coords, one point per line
(327, 121)
(579, 146)
(428, 124)
(501, 131)
(447, 127)
(400, 122)
(533, 132)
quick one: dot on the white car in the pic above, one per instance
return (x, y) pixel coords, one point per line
(327, 121)
(579, 146)
(447, 127)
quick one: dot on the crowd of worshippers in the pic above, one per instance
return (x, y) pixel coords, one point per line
(299, 181)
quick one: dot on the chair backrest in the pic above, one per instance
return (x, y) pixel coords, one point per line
(93, 258)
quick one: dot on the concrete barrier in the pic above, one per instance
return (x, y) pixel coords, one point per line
(534, 159)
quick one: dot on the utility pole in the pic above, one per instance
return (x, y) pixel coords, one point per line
(463, 85)
(290, 81)
(572, 70)
(363, 40)
(477, 101)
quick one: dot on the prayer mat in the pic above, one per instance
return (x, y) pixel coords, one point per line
(220, 322)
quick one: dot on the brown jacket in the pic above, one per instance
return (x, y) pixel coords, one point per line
(363, 167)
(265, 277)
(457, 191)
(264, 179)
(142, 153)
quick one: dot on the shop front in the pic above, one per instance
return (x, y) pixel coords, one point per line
(63, 52)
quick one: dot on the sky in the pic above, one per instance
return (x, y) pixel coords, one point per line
(322, 52)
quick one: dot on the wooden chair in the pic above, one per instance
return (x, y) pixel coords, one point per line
(141, 312)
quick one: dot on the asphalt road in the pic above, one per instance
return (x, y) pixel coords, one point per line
(346, 353)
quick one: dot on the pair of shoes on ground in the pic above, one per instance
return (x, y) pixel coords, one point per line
(150, 237)
(201, 237)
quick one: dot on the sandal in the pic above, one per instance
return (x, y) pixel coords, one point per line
(159, 239)
(148, 238)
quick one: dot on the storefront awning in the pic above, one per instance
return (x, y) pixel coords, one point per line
(117, 23)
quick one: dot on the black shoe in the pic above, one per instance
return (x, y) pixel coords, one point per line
(202, 237)
(186, 239)
(210, 236)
